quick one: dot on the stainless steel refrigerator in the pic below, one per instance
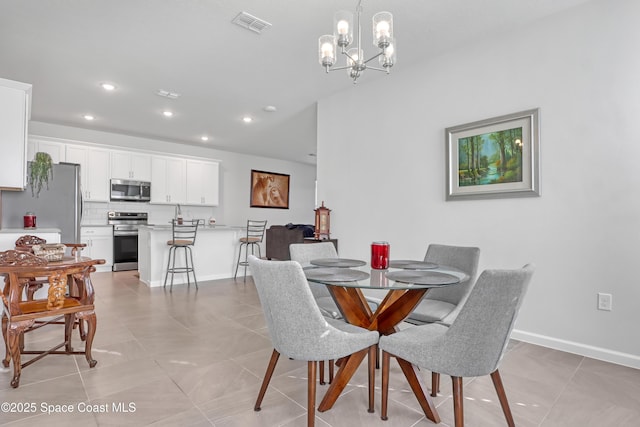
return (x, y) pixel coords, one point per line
(58, 207)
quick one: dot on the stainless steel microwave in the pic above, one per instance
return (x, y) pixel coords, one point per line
(123, 190)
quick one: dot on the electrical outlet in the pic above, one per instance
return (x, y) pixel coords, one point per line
(605, 301)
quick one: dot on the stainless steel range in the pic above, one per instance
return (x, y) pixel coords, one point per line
(125, 238)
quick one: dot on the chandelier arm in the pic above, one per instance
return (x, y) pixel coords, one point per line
(346, 67)
(373, 57)
(348, 56)
(378, 69)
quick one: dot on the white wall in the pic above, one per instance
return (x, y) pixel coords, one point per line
(235, 176)
(381, 169)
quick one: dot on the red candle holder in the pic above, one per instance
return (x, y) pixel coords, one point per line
(30, 220)
(380, 255)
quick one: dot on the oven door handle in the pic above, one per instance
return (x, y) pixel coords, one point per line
(125, 233)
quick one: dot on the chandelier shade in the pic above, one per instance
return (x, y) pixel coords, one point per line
(343, 37)
(327, 50)
(382, 29)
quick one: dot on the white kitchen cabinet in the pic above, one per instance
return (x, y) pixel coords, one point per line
(168, 180)
(15, 111)
(202, 183)
(99, 241)
(8, 236)
(55, 149)
(127, 165)
(94, 171)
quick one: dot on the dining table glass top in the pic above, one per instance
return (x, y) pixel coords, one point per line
(392, 278)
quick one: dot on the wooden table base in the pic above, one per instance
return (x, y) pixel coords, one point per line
(394, 308)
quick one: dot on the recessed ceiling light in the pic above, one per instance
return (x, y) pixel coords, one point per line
(108, 86)
(88, 117)
(247, 119)
(167, 94)
(204, 138)
(167, 113)
(270, 109)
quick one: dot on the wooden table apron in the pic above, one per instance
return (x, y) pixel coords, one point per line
(394, 308)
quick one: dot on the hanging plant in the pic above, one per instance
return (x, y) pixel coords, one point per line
(40, 172)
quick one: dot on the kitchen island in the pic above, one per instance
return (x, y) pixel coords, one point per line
(214, 254)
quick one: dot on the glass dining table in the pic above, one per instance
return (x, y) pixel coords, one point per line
(405, 282)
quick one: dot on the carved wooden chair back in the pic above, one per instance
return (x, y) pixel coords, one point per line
(26, 242)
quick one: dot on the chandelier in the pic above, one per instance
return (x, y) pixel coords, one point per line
(343, 37)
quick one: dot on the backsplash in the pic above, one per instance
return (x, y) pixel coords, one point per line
(96, 213)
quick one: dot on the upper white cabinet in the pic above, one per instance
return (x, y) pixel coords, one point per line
(202, 183)
(15, 111)
(125, 165)
(55, 149)
(168, 180)
(94, 171)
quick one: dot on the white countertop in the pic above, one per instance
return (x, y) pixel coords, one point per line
(218, 227)
(29, 230)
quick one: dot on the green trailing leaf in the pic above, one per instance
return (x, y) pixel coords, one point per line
(40, 172)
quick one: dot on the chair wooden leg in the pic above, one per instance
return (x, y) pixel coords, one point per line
(267, 377)
(373, 355)
(321, 368)
(92, 322)
(331, 366)
(7, 355)
(435, 384)
(14, 331)
(502, 396)
(69, 321)
(385, 384)
(458, 411)
(81, 330)
(311, 393)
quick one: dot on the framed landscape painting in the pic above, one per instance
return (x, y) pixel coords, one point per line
(497, 157)
(269, 190)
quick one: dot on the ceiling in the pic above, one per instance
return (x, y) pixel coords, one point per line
(66, 48)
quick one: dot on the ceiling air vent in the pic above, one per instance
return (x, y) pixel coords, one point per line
(250, 22)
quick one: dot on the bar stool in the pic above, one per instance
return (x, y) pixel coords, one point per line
(253, 238)
(184, 237)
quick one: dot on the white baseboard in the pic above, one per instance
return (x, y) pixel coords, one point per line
(599, 353)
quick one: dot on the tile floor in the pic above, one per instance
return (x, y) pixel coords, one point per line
(196, 358)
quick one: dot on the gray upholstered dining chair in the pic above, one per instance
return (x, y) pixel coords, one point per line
(298, 329)
(474, 343)
(443, 304)
(303, 253)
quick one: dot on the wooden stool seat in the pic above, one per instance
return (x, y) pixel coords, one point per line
(179, 242)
